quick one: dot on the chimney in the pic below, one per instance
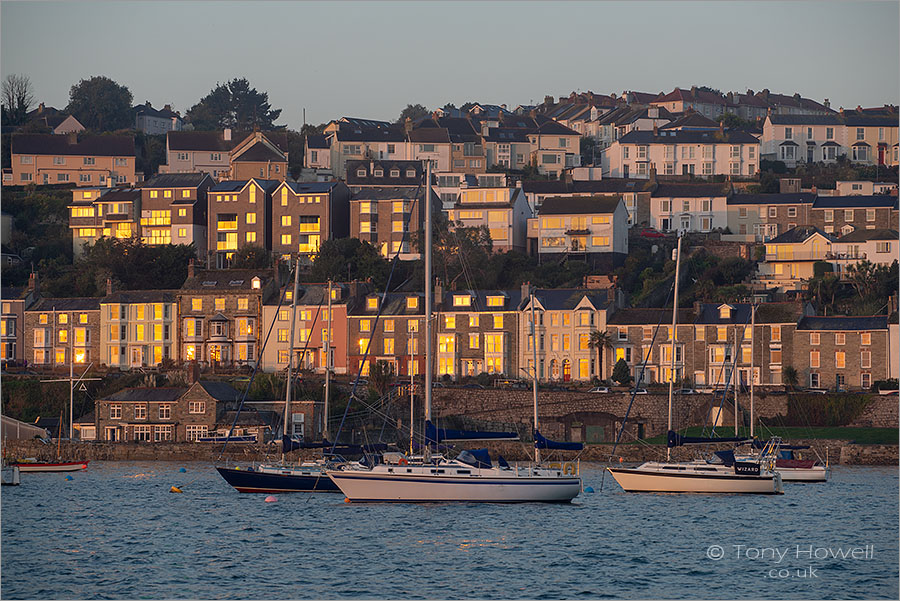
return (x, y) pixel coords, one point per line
(503, 106)
(34, 284)
(41, 108)
(226, 135)
(697, 308)
(407, 125)
(797, 96)
(730, 97)
(858, 109)
(693, 91)
(827, 103)
(168, 107)
(109, 286)
(195, 372)
(655, 130)
(438, 293)
(526, 290)
(765, 94)
(190, 269)
(354, 289)
(722, 127)
(72, 138)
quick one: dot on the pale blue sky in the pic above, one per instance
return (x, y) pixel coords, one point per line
(370, 59)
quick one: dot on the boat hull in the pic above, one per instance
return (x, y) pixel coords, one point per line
(817, 473)
(67, 466)
(371, 487)
(652, 480)
(290, 480)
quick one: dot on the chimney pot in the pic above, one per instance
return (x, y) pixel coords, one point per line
(226, 135)
(190, 271)
(109, 286)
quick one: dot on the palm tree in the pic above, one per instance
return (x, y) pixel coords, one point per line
(789, 373)
(600, 340)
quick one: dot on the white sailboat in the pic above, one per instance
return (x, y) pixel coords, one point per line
(471, 477)
(727, 475)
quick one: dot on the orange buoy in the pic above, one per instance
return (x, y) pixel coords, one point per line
(346, 500)
(175, 489)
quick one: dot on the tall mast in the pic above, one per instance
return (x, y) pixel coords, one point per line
(328, 330)
(287, 395)
(534, 382)
(428, 293)
(752, 349)
(674, 336)
(736, 376)
(71, 334)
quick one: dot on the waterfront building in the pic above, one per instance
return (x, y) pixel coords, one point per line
(240, 213)
(313, 326)
(60, 330)
(219, 313)
(386, 327)
(138, 328)
(565, 319)
(842, 353)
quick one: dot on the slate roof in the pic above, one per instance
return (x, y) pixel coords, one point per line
(853, 202)
(66, 304)
(560, 299)
(479, 302)
(353, 179)
(393, 303)
(389, 193)
(650, 317)
(866, 235)
(691, 119)
(125, 297)
(692, 96)
(430, 135)
(317, 141)
(506, 134)
(772, 199)
(218, 280)
(176, 180)
(805, 119)
(147, 394)
(311, 187)
(552, 128)
(688, 136)
(149, 111)
(606, 185)
(220, 391)
(87, 145)
(259, 152)
(357, 121)
(268, 185)
(740, 315)
(120, 195)
(796, 101)
(876, 322)
(349, 133)
(10, 293)
(566, 205)
(800, 234)
(214, 141)
(691, 190)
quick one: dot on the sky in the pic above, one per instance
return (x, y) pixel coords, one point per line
(371, 59)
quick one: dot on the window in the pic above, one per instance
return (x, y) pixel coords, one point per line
(776, 333)
(860, 133)
(59, 160)
(865, 359)
(814, 358)
(647, 333)
(870, 214)
(365, 325)
(721, 333)
(865, 380)
(220, 304)
(848, 214)
(829, 215)
(372, 303)
(412, 302)
(840, 360)
(473, 320)
(388, 346)
(197, 407)
(865, 338)
(450, 322)
(775, 356)
(474, 340)
(840, 338)
(195, 432)
(829, 133)
(814, 380)
(115, 411)
(498, 321)
(788, 133)
(165, 411)
(140, 411)
(412, 325)
(882, 247)
(286, 239)
(860, 153)
(814, 338)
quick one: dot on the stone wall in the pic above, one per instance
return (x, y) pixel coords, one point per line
(882, 412)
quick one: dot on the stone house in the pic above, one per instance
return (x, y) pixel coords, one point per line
(138, 328)
(841, 215)
(59, 330)
(841, 353)
(386, 327)
(761, 217)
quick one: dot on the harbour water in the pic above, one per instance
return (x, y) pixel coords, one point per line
(115, 531)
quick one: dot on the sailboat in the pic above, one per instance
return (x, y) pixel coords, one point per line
(471, 477)
(726, 474)
(32, 465)
(283, 477)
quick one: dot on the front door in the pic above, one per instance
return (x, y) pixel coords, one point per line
(112, 434)
(567, 370)
(136, 357)
(809, 153)
(881, 155)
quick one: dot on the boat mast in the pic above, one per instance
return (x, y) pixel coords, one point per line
(412, 389)
(752, 369)
(287, 394)
(428, 295)
(71, 334)
(330, 320)
(736, 376)
(674, 336)
(534, 378)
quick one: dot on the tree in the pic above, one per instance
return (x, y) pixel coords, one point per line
(412, 112)
(789, 373)
(380, 377)
(352, 259)
(600, 341)
(587, 147)
(100, 103)
(824, 290)
(732, 121)
(621, 373)
(234, 105)
(18, 96)
(251, 256)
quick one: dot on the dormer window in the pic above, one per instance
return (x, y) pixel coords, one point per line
(372, 303)
(335, 293)
(410, 173)
(412, 302)
(360, 172)
(395, 173)
(495, 301)
(378, 173)
(725, 311)
(462, 300)
(255, 283)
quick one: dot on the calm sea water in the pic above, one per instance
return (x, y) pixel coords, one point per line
(115, 531)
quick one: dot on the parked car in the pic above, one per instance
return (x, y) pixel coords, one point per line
(686, 391)
(816, 391)
(599, 390)
(475, 386)
(638, 391)
(649, 232)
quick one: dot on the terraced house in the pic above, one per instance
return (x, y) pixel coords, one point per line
(477, 332)
(87, 160)
(219, 315)
(138, 328)
(304, 215)
(103, 212)
(173, 209)
(387, 217)
(388, 328)
(240, 213)
(842, 353)
(60, 330)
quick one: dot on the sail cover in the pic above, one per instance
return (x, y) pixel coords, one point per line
(476, 458)
(433, 434)
(676, 440)
(542, 443)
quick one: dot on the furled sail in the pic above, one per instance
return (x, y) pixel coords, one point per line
(433, 434)
(543, 443)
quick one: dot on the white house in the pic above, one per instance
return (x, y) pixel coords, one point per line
(593, 225)
(689, 207)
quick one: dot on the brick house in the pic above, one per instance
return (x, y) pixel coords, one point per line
(220, 313)
(240, 213)
(103, 212)
(386, 216)
(173, 209)
(841, 215)
(59, 329)
(396, 337)
(86, 161)
(304, 215)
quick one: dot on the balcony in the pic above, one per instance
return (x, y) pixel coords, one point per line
(582, 232)
(797, 256)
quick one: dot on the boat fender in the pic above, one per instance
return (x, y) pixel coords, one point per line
(403, 461)
(569, 469)
(174, 489)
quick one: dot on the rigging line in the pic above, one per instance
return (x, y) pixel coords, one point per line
(381, 306)
(731, 375)
(640, 379)
(255, 368)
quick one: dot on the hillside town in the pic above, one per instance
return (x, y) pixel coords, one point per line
(592, 188)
